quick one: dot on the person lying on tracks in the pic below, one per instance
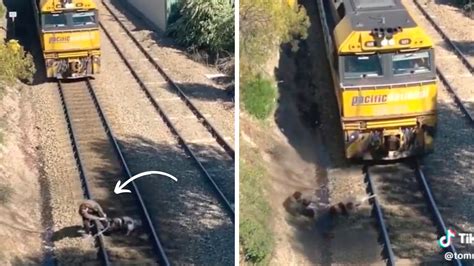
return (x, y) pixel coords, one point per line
(308, 205)
(91, 211)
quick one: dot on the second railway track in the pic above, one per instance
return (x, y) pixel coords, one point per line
(101, 164)
(453, 68)
(172, 85)
(185, 121)
(409, 219)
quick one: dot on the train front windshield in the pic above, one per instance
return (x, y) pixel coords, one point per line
(362, 66)
(411, 63)
(51, 21)
(69, 20)
(83, 19)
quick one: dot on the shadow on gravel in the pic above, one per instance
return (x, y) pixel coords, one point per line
(186, 215)
(67, 232)
(206, 92)
(306, 84)
(460, 4)
(450, 172)
(467, 47)
(24, 30)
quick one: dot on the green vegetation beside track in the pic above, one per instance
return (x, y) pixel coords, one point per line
(264, 26)
(255, 229)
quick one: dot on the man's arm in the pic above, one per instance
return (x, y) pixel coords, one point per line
(99, 210)
(89, 216)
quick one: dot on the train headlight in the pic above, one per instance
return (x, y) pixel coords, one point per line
(404, 41)
(96, 60)
(353, 136)
(370, 44)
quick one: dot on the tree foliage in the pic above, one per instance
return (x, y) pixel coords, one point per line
(15, 63)
(205, 24)
(264, 25)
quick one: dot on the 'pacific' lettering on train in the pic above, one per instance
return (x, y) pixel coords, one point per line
(371, 99)
(59, 39)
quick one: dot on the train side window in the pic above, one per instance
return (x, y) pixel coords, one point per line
(341, 10)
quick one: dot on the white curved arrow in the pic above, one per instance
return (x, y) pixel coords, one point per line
(119, 187)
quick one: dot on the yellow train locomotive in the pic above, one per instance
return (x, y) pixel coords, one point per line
(69, 36)
(383, 68)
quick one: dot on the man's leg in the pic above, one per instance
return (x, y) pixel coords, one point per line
(87, 226)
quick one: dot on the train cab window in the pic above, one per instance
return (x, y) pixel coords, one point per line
(83, 19)
(411, 63)
(54, 20)
(362, 66)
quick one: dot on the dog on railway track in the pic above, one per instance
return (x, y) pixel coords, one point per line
(124, 224)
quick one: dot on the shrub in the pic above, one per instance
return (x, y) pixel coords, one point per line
(15, 63)
(205, 24)
(264, 25)
(256, 237)
(257, 241)
(258, 96)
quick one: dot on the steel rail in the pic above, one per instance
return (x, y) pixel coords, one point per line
(456, 97)
(445, 37)
(202, 119)
(102, 253)
(228, 206)
(434, 208)
(458, 53)
(159, 250)
(390, 256)
(157, 246)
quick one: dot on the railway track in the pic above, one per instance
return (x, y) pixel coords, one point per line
(408, 228)
(173, 85)
(101, 164)
(185, 121)
(445, 37)
(453, 68)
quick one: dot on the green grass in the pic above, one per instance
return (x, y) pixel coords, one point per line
(258, 96)
(256, 236)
